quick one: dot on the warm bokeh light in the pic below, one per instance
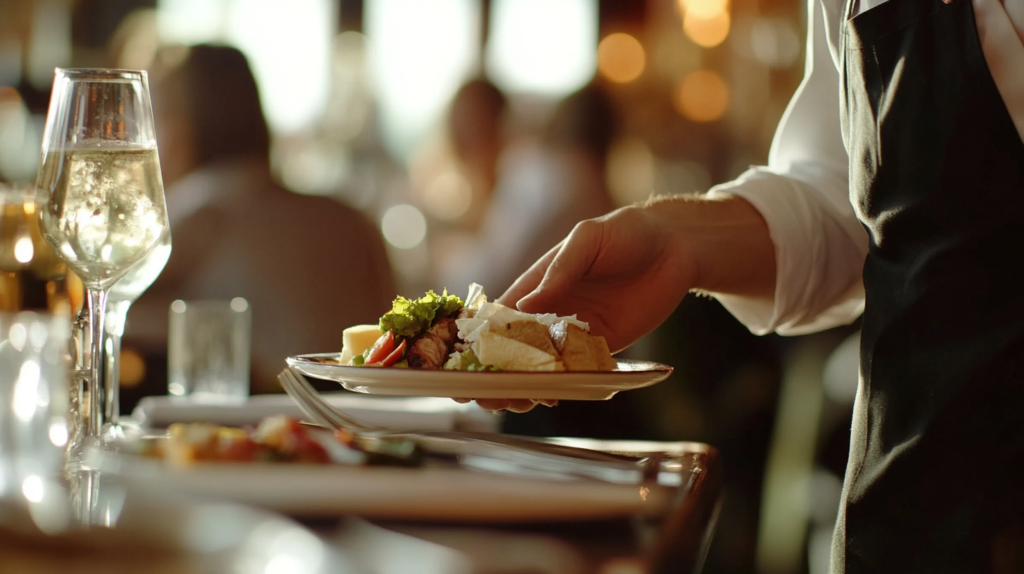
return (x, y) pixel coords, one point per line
(544, 47)
(419, 54)
(58, 432)
(702, 96)
(133, 367)
(702, 8)
(707, 32)
(32, 488)
(23, 248)
(620, 58)
(292, 70)
(404, 226)
(448, 196)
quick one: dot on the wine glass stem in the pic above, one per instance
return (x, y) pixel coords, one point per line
(112, 361)
(94, 416)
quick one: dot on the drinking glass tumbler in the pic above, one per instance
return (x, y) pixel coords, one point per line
(208, 349)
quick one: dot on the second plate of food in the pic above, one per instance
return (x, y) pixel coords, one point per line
(575, 385)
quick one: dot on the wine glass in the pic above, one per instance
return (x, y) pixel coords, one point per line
(119, 301)
(99, 193)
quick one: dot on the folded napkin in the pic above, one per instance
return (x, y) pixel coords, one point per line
(400, 413)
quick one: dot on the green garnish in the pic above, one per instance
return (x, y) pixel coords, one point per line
(412, 317)
(467, 361)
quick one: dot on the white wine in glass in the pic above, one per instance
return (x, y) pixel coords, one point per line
(106, 210)
(99, 193)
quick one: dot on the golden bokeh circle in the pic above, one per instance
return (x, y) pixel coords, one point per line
(707, 32)
(620, 58)
(703, 8)
(702, 96)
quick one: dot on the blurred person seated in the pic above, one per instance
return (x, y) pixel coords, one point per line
(455, 171)
(541, 192)
(477, 141)
(309, 266)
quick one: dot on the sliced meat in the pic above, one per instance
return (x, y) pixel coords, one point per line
(431, 349)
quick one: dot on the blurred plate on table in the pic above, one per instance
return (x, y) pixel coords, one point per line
(398, 413)
(586, 386)
(387, 492)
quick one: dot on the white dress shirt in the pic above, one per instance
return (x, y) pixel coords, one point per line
(803, 193)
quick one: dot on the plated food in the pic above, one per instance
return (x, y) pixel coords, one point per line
(433, 492)
(563, 385)
(438, 332)
(276, 439)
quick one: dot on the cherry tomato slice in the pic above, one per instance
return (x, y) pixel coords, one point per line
(395, 355)
(381, 349)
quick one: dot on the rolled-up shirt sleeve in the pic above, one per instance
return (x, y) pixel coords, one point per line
(803, 195)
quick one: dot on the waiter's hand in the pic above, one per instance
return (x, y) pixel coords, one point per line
(623, 273)
(626, 272)
(512, 405)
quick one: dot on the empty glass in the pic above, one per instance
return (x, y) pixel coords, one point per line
(208, 350)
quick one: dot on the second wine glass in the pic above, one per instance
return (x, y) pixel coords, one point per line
(119, 301)
(99, 192)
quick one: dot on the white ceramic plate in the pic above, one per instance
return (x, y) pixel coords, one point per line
(588, 386)
(427, 493)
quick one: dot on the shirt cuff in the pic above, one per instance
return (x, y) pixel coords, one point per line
(819, 255)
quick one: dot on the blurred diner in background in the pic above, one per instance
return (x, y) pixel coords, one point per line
(321, 156)
(305, 264)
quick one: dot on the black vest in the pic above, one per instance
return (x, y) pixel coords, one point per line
(935, 481)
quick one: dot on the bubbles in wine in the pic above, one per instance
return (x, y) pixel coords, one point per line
(105, 208)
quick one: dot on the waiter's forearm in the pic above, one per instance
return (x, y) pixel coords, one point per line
(729, 242)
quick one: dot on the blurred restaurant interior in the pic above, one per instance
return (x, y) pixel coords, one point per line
(440, 142)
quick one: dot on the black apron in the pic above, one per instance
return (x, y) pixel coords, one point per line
(935, 481)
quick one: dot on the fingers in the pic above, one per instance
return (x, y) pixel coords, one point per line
(521, 405)
(529, 280)
(494, 404)
(570, 263)
(514, 405)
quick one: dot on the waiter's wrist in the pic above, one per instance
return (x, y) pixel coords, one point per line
(725, 241)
